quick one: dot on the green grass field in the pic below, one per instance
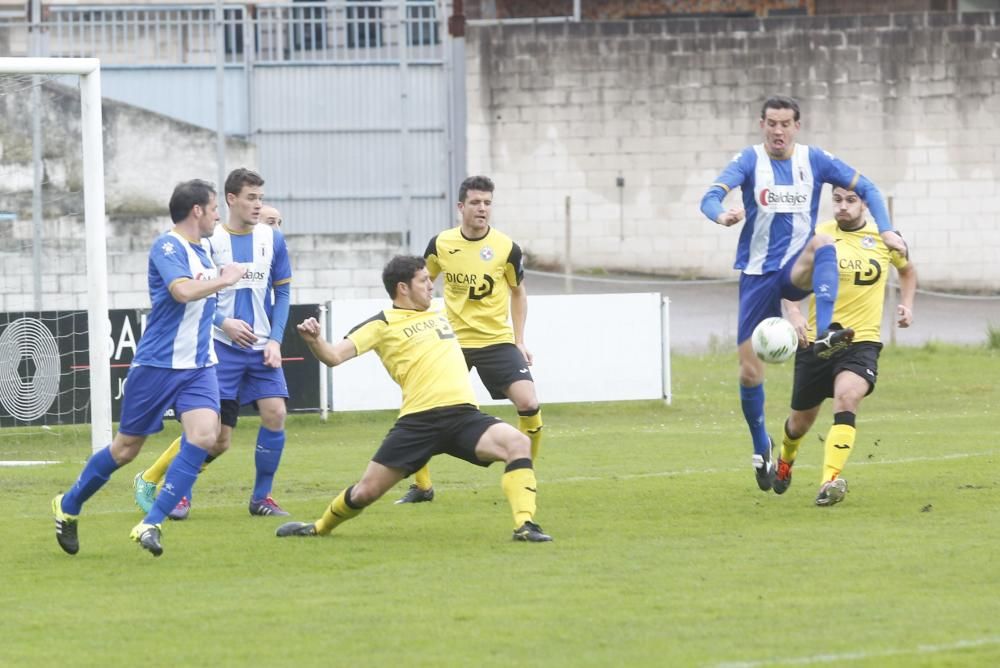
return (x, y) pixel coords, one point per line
(665, 553)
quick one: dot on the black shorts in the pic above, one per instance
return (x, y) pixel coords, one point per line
(814, 375)
(452, 430)
(499, 367)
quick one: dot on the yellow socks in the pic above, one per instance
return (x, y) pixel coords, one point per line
(530, 424)
(839, 443)
(790, 446)
(422, 478)
(159, 468)
(520, 488)
(340, 510)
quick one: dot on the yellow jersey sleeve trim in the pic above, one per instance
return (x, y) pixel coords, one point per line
(854, 181)
(721, 185)
(283, 281)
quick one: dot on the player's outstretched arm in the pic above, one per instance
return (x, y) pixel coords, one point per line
(330, 355)
(185, 291)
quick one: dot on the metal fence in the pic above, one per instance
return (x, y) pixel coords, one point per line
(346, 101)
(335, 31)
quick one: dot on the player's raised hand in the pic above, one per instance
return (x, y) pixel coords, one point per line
(309, 329)
(232, 273)
(731, 217)
(895, 242)
(239, 331)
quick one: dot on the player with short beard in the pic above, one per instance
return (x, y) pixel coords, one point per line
(846, 372)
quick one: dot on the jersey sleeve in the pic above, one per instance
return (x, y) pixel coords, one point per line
(736, 174)
(170, 260)
(431, 257)
(831, 169)
(366, 335)
(281, 266)
(514, 269)
(897, 259)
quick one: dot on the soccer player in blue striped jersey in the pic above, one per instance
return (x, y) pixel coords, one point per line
(249, 327)
(173, 367)
(781, 183)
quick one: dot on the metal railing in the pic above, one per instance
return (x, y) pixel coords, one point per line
(334, 31)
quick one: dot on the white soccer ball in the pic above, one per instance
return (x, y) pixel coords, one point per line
(774, 340)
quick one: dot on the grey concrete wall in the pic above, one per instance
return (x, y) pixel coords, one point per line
(324, 266)
(145, 155)
(911, 100)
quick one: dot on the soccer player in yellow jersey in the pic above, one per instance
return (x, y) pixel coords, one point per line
(483, 284)
(846, 372)
(439, 415)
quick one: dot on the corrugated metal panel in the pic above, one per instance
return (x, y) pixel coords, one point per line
(346, 150)
(348, 99)
(187, 94)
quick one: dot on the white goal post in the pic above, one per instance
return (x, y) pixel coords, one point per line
(99, 327)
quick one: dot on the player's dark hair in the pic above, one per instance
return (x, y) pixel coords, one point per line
(401, 269)
(481, 183)
(780, 102)
(240, 177)
(187, 195)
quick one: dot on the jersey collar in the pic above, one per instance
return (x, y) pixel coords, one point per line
(489, 228)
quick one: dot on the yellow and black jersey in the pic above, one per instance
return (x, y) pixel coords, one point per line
(478, 276)
(421, 353)
(863, 262)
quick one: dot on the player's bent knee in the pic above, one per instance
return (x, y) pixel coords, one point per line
(364, 494)
(518, 446)
(821, 240)
(205, 437)
(273, 413)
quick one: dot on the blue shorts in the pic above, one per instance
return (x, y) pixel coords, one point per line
(761, 295)
(150, 391)
(244, 377)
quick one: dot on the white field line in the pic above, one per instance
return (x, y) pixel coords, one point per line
(664, 474)
(863, 656)
(27, 463)
(131, 508)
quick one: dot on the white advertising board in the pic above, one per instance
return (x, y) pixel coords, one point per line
(607, 347)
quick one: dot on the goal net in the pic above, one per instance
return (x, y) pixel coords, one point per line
(55, 382)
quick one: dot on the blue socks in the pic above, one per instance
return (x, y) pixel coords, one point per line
(178, 481)
(752, 400)
(267, 456)
(95, 473)
(825, 281)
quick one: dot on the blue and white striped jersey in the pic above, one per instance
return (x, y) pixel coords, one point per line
(177, 336)
(781, 200)
(262, 251)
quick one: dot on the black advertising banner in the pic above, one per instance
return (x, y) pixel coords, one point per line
(44, 362)
(45, 365)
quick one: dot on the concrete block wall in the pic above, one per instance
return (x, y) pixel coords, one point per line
(559, 110)
(324, 266)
